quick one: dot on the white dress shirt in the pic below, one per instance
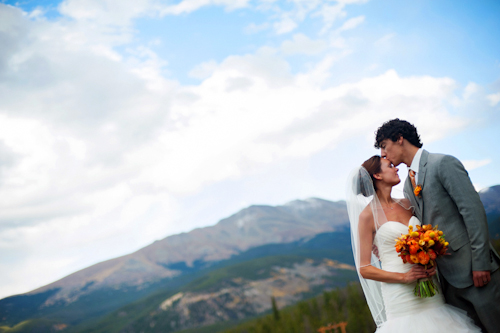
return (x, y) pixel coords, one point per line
(415, 163)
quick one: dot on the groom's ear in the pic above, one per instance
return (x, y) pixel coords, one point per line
(400, 140)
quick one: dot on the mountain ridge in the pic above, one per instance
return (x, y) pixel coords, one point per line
(252, 226)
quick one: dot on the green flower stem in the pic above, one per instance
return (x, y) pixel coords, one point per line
(425, 288)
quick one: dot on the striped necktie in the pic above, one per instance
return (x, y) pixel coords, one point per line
(412, 178)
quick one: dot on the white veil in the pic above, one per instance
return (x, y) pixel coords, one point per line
(360, 194)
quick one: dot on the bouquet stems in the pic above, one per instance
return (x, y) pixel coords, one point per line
(425, 288)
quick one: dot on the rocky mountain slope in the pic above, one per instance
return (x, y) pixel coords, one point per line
(253, 226)
(244, 295)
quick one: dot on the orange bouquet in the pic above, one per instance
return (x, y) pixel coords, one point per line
(422, 246)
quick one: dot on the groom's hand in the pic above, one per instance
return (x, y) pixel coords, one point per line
(481, 278)
(375, 251)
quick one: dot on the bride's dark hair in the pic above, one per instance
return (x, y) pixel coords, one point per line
(372, 166)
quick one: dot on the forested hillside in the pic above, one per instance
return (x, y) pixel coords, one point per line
(340, 305)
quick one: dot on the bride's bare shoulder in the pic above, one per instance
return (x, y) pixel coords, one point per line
(404, 201)
(366, 215)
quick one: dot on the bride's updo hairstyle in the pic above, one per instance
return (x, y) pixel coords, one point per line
(372, 166)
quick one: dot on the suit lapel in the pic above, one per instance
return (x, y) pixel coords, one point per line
(413, 199)
(422, 169)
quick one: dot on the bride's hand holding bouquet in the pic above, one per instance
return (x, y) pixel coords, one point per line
(421, 247)
(418, 272)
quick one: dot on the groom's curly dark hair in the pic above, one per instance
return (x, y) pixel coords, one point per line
(396, 128)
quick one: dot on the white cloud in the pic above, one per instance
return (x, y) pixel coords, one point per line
(494, 99)
(229, 133)
(352, 23)
(283, 18)
(384, 39)
(286, 24)
(346, 2)
(71, 109)
(287, 18)
(188, 6)
(113, 12)
(470, 90)
(253, 28)
(302, 44)
(203, 70)
(330, 14)
(338, 42)
(122, 13)
(474, 164)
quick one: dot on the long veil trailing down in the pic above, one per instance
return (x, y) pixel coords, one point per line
(361, 194)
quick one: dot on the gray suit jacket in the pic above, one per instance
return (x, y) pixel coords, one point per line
(449, 200)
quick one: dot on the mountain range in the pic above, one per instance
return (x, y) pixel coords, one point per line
(254, 232)
(224, 272)
(490, 197)
(174, 255)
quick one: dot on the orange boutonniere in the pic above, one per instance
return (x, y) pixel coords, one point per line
(417, 190)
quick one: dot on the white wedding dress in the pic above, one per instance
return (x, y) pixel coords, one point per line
(406, 312)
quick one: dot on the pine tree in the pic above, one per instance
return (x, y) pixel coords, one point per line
(276, 313)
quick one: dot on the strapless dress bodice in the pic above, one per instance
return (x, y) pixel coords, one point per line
(385, 239)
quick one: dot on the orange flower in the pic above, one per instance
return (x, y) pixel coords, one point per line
(423, 258)
(414, 258)
(431, 254)
(399, 247)
(412, 242)
(429, 236)
(413, 246)
(408, 259)
(417, 190)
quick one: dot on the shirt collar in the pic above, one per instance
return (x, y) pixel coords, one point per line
(416, 160)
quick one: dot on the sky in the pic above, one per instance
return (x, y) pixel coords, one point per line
(125, 121)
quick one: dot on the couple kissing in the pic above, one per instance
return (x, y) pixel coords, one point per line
(438, 192)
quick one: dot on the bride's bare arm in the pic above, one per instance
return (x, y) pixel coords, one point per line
(366, 236)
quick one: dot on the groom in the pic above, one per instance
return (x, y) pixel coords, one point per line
(441, 192)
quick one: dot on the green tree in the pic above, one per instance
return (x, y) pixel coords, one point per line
(276, 313)
(347, 304)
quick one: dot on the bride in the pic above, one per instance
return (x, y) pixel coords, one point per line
(378, 219)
